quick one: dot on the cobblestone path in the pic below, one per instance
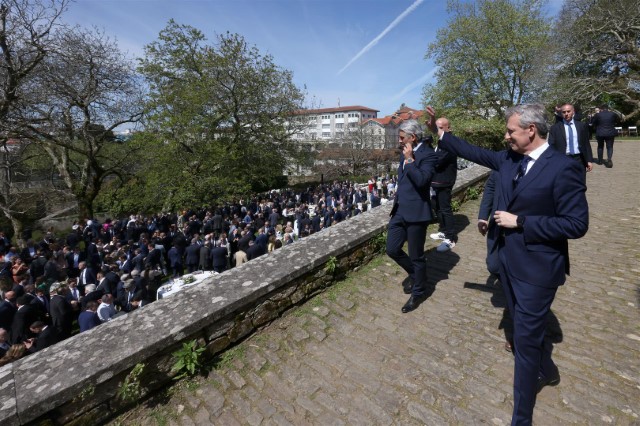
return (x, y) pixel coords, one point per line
(350, 357)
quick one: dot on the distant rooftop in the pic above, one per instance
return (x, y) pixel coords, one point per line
(336, 109)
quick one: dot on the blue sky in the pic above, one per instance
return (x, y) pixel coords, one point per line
(352, 52)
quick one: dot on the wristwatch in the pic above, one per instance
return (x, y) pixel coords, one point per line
(520, 221)
(409, 160)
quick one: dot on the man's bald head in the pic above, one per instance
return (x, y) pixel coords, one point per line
(443, 124)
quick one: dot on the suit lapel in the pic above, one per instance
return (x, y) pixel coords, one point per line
(533, 173)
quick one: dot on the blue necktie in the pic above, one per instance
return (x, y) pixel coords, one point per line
(522, 169)
(570, 141)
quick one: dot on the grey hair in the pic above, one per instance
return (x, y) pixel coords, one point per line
(530, 114)
(412, 127)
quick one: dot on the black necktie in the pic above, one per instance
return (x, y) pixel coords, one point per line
(522, 169)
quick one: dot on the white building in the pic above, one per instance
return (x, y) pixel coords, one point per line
(329, 124)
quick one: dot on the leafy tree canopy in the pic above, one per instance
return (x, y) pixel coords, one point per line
(220, 122)
(598, 54)
(487, 56)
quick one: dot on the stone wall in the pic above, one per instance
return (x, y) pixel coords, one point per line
(77, 381)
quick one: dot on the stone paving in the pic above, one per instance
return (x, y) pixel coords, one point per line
(350, 357)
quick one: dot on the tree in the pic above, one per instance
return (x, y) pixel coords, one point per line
(599, 54)
(220, 122)
(357, 152)
(88, 90)
(487, 55)
(27, 35)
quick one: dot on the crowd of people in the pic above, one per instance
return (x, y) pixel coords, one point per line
(100, 270)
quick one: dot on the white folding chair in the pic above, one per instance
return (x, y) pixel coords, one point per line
(619, 131)
(632, 130)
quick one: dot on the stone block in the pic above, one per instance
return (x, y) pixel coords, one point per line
(265, 312)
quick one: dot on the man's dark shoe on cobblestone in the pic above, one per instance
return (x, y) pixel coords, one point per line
(407, 285)
(548, 381)
(413, 303)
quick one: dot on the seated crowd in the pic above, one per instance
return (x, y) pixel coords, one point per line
(65, 284)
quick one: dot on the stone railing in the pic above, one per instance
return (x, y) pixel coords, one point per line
(82, 380)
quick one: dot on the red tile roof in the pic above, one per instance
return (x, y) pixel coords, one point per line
(404, 113)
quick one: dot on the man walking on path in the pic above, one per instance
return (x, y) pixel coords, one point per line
(541, 204)
(411, 212)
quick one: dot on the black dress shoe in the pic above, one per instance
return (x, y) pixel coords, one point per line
(608, 164)
(407, 285)
(548, 381)
(413, 303)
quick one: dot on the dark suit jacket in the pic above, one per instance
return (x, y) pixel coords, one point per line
(7, 312)
(413, 200)
(61, 315)
(551, 196)
(488, 205)
(446, 170)
(558, 140)
(219, 257)
(87, 320)
(605, 123)
(193, 254)
(47, 337)
(175, 259)
(24, 317)
(254, 251)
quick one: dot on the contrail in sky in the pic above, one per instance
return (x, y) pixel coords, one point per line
(415, 83)
(383, 33)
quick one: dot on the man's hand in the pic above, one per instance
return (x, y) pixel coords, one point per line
(505, 219)
(407, 151)
(483, 226)
(589, 167)
(431, 124)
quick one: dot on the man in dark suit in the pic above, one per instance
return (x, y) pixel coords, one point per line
(86, 275)
(219, 257)
(605, 122)
(411, 212)
(486, 223)
(73, 259)
(541, 204)
(46, 335)
(192, 255)
(7, 310)
(442, 185)
(574, 131)
(60, 310)
(175, 261)
(25, 315)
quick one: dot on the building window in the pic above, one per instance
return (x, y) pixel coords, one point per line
(326, 134)
(326, 117)
(339, 115)
(339, 125)
(326, 126)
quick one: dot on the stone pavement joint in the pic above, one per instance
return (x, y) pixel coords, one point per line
(350, 357)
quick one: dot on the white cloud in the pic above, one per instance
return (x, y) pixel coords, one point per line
(375, 41)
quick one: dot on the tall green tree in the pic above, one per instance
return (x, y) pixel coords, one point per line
(487, 56)
(28, 30)
(598, 54)
(90, 88)
(221, 119)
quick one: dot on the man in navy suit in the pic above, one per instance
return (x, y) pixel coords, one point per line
(605, 122)
(541, 204)
(577, 132)
(411, 212)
